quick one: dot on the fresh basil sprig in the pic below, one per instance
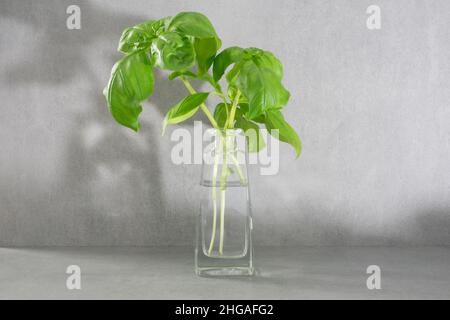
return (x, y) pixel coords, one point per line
(187, 44)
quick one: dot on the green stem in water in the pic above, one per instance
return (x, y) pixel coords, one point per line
(222, 220)
(214, 201)
(238, 169)
(214, 123)
(222, 194)
(228, 124)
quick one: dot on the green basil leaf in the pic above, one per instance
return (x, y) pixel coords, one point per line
(224, 59)
(261, 86)
(205, 50)
(176, 74)
(275, 120)
(233, 73)
(260, 119)
(173, 51)
(251, 130)
(160, 26)
(189, 74)
(265, 59)
(206, 41)
(184, 109)
(193, 24)
(220, 114)
(207, 77)
(243, 106)
(140, 36)
(232, 90)
(133, 39)
(130, 84)
(258, 76)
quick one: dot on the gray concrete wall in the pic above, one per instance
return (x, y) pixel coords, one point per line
(371, 106)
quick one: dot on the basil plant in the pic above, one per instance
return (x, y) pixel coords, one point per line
(188, 47)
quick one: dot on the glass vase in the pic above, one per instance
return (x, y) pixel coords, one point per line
(224, 223)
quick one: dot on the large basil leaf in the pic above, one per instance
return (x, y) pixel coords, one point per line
(160, 26)
(130, 84)
(257, 74)
(224, 59)
(275, 120)
(193, 24)
(232, 74)
(135, 38)
(268, 60)
(206, 42)
(262, 88)
(184, 109)
(173, 51)
(140, 36)
(251, 130)
(205, 50)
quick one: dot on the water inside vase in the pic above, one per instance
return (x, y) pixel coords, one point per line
(224, 222)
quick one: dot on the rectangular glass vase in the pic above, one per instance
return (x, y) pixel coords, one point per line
(224, 223)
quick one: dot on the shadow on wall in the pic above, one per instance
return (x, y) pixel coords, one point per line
(110, 191)
(60, 54)
(318, 225)
(433, 225)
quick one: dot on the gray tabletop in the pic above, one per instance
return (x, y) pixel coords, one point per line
(283, 273)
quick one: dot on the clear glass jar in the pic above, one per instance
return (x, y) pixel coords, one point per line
(224, 226)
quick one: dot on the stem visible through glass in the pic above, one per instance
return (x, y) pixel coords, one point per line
(223, 186)
(229, 124)
(214, 198)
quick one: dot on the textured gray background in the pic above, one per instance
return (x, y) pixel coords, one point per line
(372, 109)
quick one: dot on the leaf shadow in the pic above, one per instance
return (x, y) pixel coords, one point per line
(111, 190)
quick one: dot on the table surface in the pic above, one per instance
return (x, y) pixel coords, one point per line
(282, 273)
